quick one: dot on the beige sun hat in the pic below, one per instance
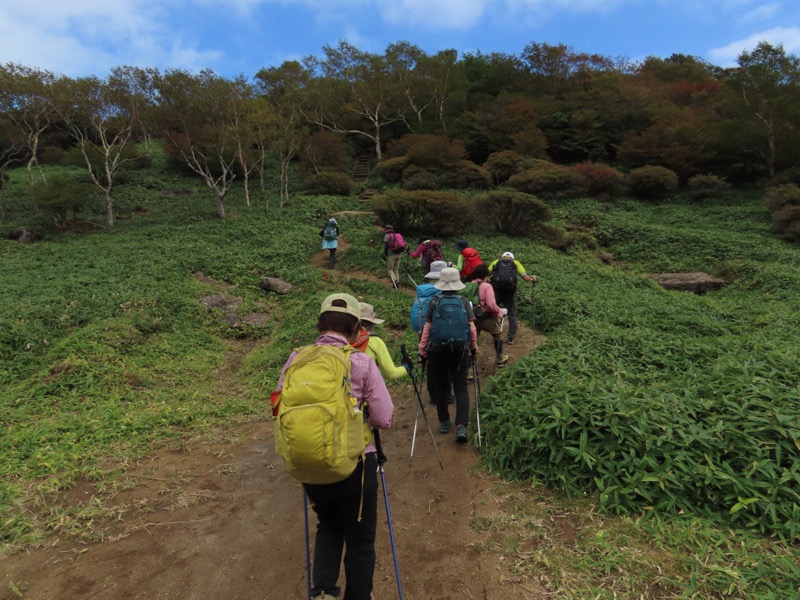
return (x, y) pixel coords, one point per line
(368, 313)
(351, 305)
(436, 268)
(449, 280)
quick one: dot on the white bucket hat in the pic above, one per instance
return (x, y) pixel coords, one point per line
(368, 313)
(507, 255)
(436, 268)
(449, 281)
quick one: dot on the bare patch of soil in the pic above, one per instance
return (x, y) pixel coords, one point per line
(220, 519)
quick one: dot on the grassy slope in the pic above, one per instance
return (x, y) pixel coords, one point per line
(105, 350)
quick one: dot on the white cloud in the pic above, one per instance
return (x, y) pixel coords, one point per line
(436, 14)
(789, 37)
(759, 13)
(79, 37)
(590, 6)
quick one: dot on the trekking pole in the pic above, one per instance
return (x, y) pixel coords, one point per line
(421, 407)
(533, 308)
(382, 459)
(477, 383)
(308, 548)
(410, 277)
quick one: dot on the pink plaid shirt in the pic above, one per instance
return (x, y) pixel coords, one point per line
(366, 381)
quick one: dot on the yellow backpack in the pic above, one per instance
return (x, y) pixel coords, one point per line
(319, 429)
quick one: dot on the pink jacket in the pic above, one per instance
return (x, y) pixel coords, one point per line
(487, 299)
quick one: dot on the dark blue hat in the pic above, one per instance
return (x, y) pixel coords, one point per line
(461, 244)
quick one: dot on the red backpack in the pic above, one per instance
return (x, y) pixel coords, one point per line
(471, 260)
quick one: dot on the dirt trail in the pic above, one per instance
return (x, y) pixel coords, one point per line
(221, 519)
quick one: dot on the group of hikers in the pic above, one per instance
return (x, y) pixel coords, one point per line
(331, 399)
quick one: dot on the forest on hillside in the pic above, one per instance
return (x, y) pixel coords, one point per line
(427, 121)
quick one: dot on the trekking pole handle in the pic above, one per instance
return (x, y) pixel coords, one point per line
(376, 434)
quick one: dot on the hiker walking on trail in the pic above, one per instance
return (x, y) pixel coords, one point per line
(330, 240)
(393, 248)
(425, 291)
(448, 339)
(347, 508)
(488, 314)
(369, 342)
(504, 273)
(419, 309)
(468, 259)
(428, 252)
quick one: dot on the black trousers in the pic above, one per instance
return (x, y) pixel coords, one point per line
(509, 300)
(337, 506)
(448, 368)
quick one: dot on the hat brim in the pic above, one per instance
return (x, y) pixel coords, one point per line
(376, 321)
(432, 275)
(449, 286)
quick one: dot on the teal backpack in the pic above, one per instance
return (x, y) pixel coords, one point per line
(449, 323)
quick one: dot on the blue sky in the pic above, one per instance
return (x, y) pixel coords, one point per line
(89, 37)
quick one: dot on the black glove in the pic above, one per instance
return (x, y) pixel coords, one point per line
(407, 363)
(422, 360)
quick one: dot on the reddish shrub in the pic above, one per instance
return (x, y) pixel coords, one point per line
(599, 178)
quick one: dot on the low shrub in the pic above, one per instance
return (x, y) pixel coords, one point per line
(779, 196)
(430, 162)
(651, 181)
(391, 169)
(786, 222)
(62, 196)
(502, 165)
(331, 183)
(599, 178)
(549, 181)
(702, 187)
(466, 175)
(514, 213)
(51, 155)
(784, 202)
(419, 178)
(434, 150)
(447, 213)
(663, 443)
(427, 150)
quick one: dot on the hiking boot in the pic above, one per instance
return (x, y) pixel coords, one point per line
(510, 341)
(502, 359)
(461, 434)
(445, 426)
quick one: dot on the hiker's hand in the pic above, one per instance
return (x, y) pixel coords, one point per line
(503, 312)
(407, 363)
(422, 360)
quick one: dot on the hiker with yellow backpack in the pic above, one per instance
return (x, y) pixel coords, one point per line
(328, 398)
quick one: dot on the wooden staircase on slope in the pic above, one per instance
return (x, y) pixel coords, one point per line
(361, 168)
